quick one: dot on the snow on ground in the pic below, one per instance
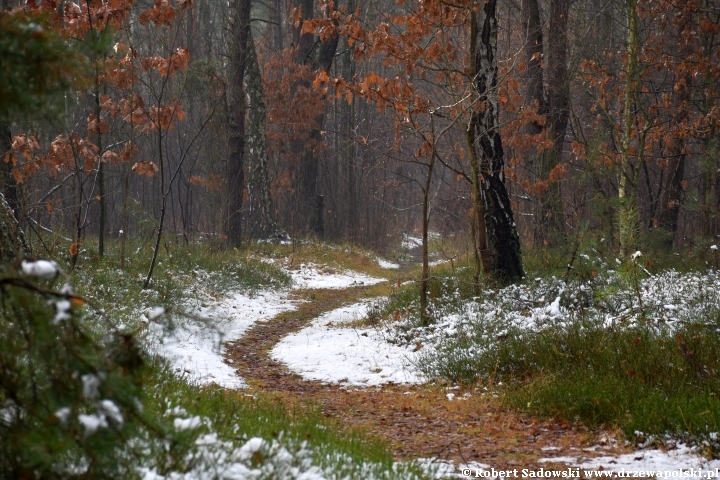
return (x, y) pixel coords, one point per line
(411, 242)
(331, 351)
(282, 457)
(195, 348)
(387, 264)
(435, 263)
(683, 457)
(309, 275)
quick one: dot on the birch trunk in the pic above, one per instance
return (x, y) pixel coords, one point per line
(502, 255)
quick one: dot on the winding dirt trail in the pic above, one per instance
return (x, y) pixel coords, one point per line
(417, 420)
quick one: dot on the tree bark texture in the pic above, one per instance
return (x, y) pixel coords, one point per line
(626, 217)
(503, 242)
(346, 131)
(558, 112)
(673, 192)
(261, 217)
(8, 185)
(12, 240)
(533, 55)
(240, 29)
(310, 201)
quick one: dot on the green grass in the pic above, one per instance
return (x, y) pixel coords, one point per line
(238, 416)
(631, 377)
(640, 377)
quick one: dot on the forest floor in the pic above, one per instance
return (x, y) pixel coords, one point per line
(320, 345)
(417, 420)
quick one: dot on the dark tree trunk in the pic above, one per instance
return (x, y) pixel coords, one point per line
(503, 242)
(262, 217)
(558, 91)
(277, 27)
(240, 28)
(672, 195)
(558, 113)
(101, 170)
(425, 281)
(553, 105)
(346, 143)
(8, 185)
(533, 55)
(12, 240)
(309, 199)
(674, 191)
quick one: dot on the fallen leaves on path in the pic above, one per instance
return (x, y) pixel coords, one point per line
(417, 421)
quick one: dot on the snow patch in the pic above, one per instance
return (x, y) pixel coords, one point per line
(43, 269)
(387, 264)
(195, 348)
(329, 351)
(309, 275)
(411, 242)
(182, 424)
(682, 457)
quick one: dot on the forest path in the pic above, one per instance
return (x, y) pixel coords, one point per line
(417, 420)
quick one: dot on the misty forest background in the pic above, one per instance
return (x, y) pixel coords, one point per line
(538, 120)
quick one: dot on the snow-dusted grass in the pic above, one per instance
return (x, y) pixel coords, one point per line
(330, 350)
(242, 437)
(676, 459)
(625, 347)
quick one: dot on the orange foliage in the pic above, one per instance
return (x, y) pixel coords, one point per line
(121, 70)
(145, 167)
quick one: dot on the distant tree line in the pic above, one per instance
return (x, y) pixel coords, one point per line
(515, 122)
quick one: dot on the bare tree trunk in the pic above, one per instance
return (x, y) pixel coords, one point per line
(558, 112)
(425, 280)
(673, 191)
(8, 185)
(277, 27)
(124, 234)
(12, 240)
(346, 145)
(477, 224)
(310, 201)
(101, 169)
(673, 194)
(262, 217)
(240, 27)
(553, 105)
(627, 216)
(533, 56)
(503, 242)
